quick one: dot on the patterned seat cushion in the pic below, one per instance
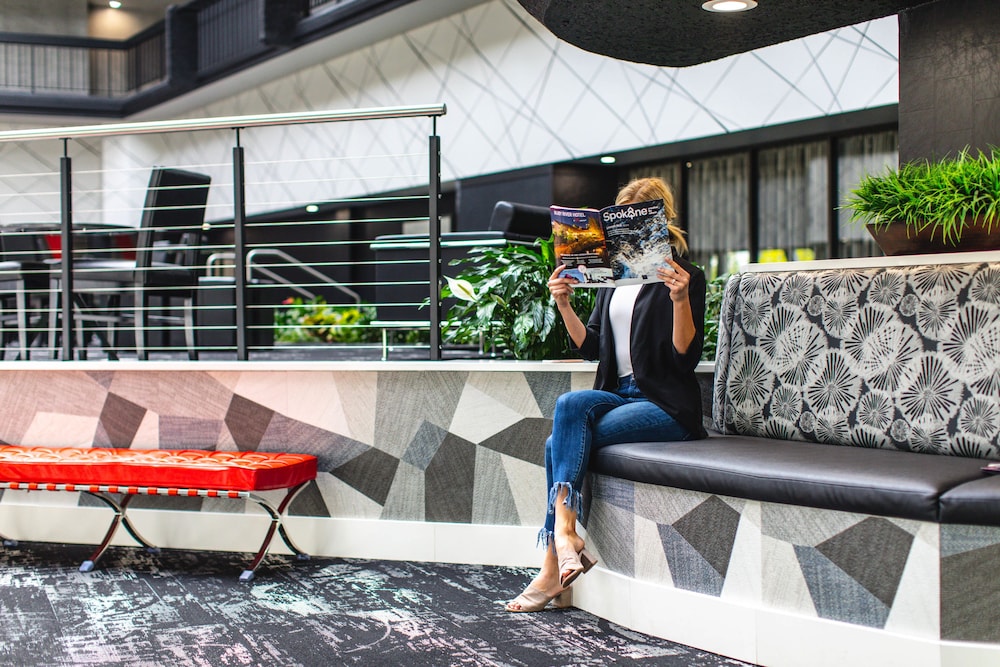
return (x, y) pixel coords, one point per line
(236, 471)
(903, 358)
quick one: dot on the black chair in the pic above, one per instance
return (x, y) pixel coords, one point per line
(164, 267)
(23, 289)
(521, 222)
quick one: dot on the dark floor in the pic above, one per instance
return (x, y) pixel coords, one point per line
(184, 608)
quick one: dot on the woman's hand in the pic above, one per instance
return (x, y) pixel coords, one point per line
(676, 281)
(561, 288)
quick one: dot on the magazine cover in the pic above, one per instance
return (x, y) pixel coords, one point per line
(617, 245)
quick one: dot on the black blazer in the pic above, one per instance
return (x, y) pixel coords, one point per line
(665, 376)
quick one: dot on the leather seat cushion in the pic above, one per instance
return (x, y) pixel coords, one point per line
(976, 502)
(853, 479)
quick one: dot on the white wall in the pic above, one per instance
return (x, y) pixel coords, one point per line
(44, 17)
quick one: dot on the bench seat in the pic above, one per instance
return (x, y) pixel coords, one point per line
(236, 471)
(105, 473)
(881, 482)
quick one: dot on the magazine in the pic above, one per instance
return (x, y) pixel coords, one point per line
(619, 245)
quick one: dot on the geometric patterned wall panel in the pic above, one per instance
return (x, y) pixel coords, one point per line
(908, 577)
(970, 593)
(465, 447)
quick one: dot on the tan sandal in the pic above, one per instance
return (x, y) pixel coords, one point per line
(533, 599)
(573, 565)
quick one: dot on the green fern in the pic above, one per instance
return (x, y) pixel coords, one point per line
(941, 196)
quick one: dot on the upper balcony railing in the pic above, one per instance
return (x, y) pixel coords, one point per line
(235, 249)
(199, 42)
(44, 64)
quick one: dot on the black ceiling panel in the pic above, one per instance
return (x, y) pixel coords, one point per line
(679, 33)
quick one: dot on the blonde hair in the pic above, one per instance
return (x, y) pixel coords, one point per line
(646, 189)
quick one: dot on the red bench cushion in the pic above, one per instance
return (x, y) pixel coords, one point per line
(185, 468)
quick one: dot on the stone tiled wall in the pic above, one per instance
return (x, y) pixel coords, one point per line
(433, 445)
(907, 577)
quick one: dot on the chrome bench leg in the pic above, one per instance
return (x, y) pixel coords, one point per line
(119, 518)
(276, 524)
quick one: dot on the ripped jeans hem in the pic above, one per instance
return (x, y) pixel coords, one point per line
(573, 500)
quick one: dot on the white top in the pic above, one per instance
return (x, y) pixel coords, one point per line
(620, 314)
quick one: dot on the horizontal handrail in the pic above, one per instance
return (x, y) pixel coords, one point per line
(218, 257)
(251, 267)
(224, 122)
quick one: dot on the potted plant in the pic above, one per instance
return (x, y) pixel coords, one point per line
(925, 206)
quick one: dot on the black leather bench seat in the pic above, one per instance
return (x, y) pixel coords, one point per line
(883, 482)
(976, 503)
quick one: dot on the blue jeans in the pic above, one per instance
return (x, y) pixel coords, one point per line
(591, 418)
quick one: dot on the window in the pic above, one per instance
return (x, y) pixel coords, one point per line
(717, 220)
(793, 210)
(792, 202)
(861, 155)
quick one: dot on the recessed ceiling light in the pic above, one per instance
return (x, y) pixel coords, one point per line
(114, 4)
(608, 159)
(312, 208)
(729, 5)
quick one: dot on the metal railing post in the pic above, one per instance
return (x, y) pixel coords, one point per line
(239, 248)
(434, 241)
(66, 230)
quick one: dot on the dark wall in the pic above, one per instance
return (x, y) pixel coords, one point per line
(563, 184)
(949, 78)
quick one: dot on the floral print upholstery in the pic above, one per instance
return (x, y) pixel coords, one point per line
(895, 357)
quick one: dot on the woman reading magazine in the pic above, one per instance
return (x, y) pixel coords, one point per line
(647, 340)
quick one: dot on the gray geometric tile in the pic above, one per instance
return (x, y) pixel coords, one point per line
(970, 595)
(424, 445)
(449, 481)
(371, 473)
(689, 568)
(398, 417)
(874, 553)
(524, 440)
(710, 528)
(405, 501)
(188, 433)
(613, 491)
(120, 420)
(957, 538)
(547, 387)
(612, 533)
(308, 502)
(836, 595)
(247, 421)
(492, 499)
(332, 450)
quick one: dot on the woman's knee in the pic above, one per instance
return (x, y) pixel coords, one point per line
(576, 402)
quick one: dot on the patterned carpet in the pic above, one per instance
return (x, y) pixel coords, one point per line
(183, 608)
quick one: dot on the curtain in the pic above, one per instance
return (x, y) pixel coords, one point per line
(792, 202)
(861, 155)
(718, 231)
